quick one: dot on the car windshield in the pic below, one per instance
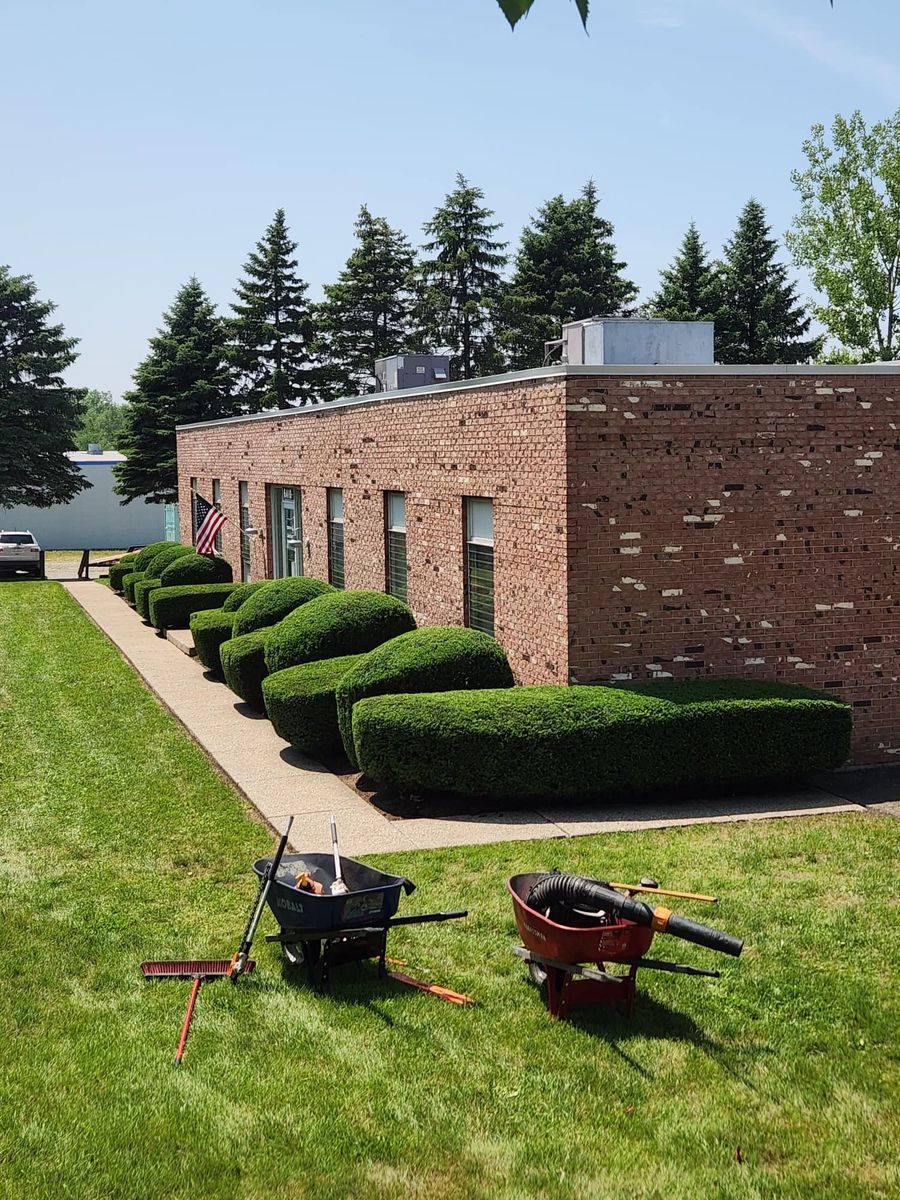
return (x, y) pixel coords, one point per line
(16, 539)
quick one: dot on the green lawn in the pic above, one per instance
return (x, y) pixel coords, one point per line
(119, 842)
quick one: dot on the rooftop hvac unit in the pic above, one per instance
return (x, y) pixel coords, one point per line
(410, 371)
(637, 341)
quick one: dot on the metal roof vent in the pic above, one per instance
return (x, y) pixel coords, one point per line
(410, 371)
(637, 341)
(94, 448)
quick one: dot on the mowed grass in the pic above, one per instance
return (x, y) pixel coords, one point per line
(119, 842)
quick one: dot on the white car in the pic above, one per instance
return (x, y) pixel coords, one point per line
(19, 551)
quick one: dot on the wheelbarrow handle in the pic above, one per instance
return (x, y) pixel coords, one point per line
(427, 918)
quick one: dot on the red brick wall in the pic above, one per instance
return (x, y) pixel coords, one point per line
(506, 442)
(739, 526)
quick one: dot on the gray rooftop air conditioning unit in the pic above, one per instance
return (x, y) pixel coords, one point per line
(410, 371)
(637, 341)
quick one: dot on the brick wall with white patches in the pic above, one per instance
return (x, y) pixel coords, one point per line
(739, 523)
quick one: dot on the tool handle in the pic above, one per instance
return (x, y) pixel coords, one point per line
(271, 872)
(426, 918)
(338, 877)
(186, 1027)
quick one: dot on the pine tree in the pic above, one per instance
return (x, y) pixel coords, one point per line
(761, 319)
(367, 313)
(461, 281)
(690, 289)
(565, 270)
(39, 415)
(271, 332)
(184, 378)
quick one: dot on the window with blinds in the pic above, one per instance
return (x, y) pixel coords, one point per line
(479, 564)
(244, 511)
(336, 537)
(395, 544)
(217, 499)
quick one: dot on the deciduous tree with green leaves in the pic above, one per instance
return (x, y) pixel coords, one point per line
(271, 333)
(102, 421)
(847, 232)
(39, 414)
(566, 269)
(761, 319)
(184, 378)
(461, 281)
(690, 288)
(367, 313)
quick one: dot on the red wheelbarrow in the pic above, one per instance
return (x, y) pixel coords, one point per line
(573, 928)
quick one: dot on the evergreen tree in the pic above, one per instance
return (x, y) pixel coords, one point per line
(565, 270)
(367, 313)
(184, 378)
(761, 319)
(102, 421)
(39, 415)
(461, 281)
(689, 289)
(271, 332)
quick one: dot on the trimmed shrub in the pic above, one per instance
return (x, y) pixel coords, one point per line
(434, 659)
(142, 590)
(119, 570)
(209, 630)
(336, 624)
(144, 557)
(171, 607)
(599, 742)
(196, 568)
(278, 597)
(300, 703)
(128, 582)
(243, 592)
(160, 561)
(244, 666)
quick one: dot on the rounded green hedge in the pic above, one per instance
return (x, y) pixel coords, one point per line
(196, 568)
(336, 624)
(142, 590)
(300, 703)
(209, 630)
(433, 659)
(244, 666)
(168, 554)
(171, 607)
(128, 582)
(599, 742)
(243, 592)
(144, 557)
(278, 597)
(119, 570)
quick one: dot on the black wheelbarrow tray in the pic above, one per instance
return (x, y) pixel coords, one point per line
(322, 931)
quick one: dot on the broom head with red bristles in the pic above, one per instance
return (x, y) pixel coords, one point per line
(203, 968)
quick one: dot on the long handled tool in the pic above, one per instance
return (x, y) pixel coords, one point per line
(338, 888)
(239, 962)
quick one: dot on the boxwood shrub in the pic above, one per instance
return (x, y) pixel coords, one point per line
(196, 568)
(599, 742)
(243, 592)
(336, 624)
(244, 666)
(144, 557)
(168, 554)
(118, 570)
(171, 607)
(300, 703)
(275, 599)
(434, 659)
(142, 590)
(209, 630)
(128, 582)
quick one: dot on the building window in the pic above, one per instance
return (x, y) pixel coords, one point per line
(395, 543)
(244, 522)
(217, 499)
(287, 531)
(336, 537)
(193, 511)
(480, 564)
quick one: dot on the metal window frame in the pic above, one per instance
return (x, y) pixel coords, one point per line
(336, 573)
(392, 536)
(244, 523)
(473, 547)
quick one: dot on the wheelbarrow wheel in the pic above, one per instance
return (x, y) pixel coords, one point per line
(293, 955)
(537, 973)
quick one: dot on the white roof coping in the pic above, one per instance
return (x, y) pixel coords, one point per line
(643, 371)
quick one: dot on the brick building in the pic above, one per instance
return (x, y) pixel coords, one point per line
(604, 522)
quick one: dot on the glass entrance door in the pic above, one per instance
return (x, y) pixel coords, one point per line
(287, 532)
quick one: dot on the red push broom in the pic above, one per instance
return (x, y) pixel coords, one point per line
(205, 969)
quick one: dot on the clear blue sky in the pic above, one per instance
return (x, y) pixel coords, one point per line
(146, 142)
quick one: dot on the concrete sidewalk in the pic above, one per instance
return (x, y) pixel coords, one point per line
(278, 781)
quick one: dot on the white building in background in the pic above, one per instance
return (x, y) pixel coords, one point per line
(96, 519)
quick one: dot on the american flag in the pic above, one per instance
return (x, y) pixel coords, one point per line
(208, 520)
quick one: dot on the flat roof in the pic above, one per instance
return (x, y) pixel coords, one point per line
(84, 459)
(632, 371)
